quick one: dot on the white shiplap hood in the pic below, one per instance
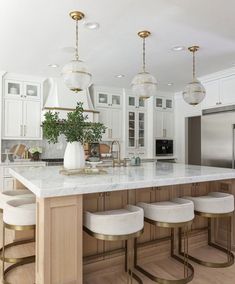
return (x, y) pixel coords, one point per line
(57, 96)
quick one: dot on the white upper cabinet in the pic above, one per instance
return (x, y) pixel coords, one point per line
(219, 92)
(22, 90)
(164, 125)
(135, 102)
(13, 118)
(112, 119)
(164, 104)
(22, 103)
(106, 99)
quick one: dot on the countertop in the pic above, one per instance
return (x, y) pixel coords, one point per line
(48, 182)
(21, 163)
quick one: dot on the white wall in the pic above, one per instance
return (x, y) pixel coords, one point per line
(182, 111)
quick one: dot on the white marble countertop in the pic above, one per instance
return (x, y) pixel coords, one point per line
(22, 162)
(48, 182)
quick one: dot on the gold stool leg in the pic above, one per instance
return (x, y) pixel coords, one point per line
(159, 280)
(227, 250)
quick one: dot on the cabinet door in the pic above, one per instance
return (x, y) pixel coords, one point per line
(212, 94)
(8, 184)
(141, 130)
(105, 119)
(103, 99)
(31, 91)
(159, 118)
(32, 119)
(13, 118)
(168, 124)
(227, 90)
(13, 89)
(115, 117)
(116, 101)
(159, 103)
(131, 101)
(131, 128)
(168, 104)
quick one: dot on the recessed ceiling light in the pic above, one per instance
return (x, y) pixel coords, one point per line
(92, 25)
(120, 76)
(53, 65)
(169, 84)
(178, 48)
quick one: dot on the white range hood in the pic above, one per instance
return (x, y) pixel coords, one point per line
(57, 97)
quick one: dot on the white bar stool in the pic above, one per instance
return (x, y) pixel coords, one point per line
(177, 213)
(19, 215)
(9, 195)
(211, 206)
(117, 225)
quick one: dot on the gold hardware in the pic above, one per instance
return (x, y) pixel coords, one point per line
(76, 15)
(144, 34)
(194, 49)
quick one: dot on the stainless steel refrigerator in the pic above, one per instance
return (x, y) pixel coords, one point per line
(217, 137)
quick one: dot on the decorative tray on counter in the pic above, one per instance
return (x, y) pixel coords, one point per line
(84, 171)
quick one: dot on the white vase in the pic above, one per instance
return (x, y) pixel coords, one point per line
(74, 156)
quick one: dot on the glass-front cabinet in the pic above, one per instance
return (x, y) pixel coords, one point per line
(22, 90)
(136, 133)
(164, 103)
(135, 102)
(109, 100)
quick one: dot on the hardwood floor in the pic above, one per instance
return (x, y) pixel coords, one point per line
(165, 267)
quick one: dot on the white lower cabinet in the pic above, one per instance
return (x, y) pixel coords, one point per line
(164, 124)
(22, 119)
(8, 183)
(112, 119)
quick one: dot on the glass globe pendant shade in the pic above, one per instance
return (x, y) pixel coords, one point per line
(75, 76)
(144, 85)
(194, 92)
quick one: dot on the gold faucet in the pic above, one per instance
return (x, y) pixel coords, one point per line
(117, 162)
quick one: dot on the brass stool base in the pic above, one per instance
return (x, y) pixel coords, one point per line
(16, 261)
(227, 251)
(130, 274)
(188, 268)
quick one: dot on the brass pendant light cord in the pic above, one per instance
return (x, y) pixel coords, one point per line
(144, 64)
(76, 53)
(194, 68)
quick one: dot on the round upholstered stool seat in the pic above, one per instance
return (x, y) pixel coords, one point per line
(213, 203)
(14, 194)
(20, 212)
(122, 224)
(115, 222)
(177, 210)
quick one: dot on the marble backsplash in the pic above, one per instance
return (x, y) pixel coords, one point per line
(49, 151)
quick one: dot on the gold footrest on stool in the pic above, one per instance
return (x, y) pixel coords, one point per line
(227, 251)
(188, 268)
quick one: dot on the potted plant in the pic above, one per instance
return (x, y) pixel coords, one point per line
(35, 152)
(77, 131)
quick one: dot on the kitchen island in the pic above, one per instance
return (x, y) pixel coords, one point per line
(61, 247)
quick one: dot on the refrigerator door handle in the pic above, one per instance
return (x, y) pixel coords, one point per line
(233, 154)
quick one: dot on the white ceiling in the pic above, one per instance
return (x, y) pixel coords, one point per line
(34, 32)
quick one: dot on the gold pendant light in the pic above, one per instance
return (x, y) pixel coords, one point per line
(194, 92)
(144, 84)
(75, 74)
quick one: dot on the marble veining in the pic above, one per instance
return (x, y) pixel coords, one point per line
(48, 182)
